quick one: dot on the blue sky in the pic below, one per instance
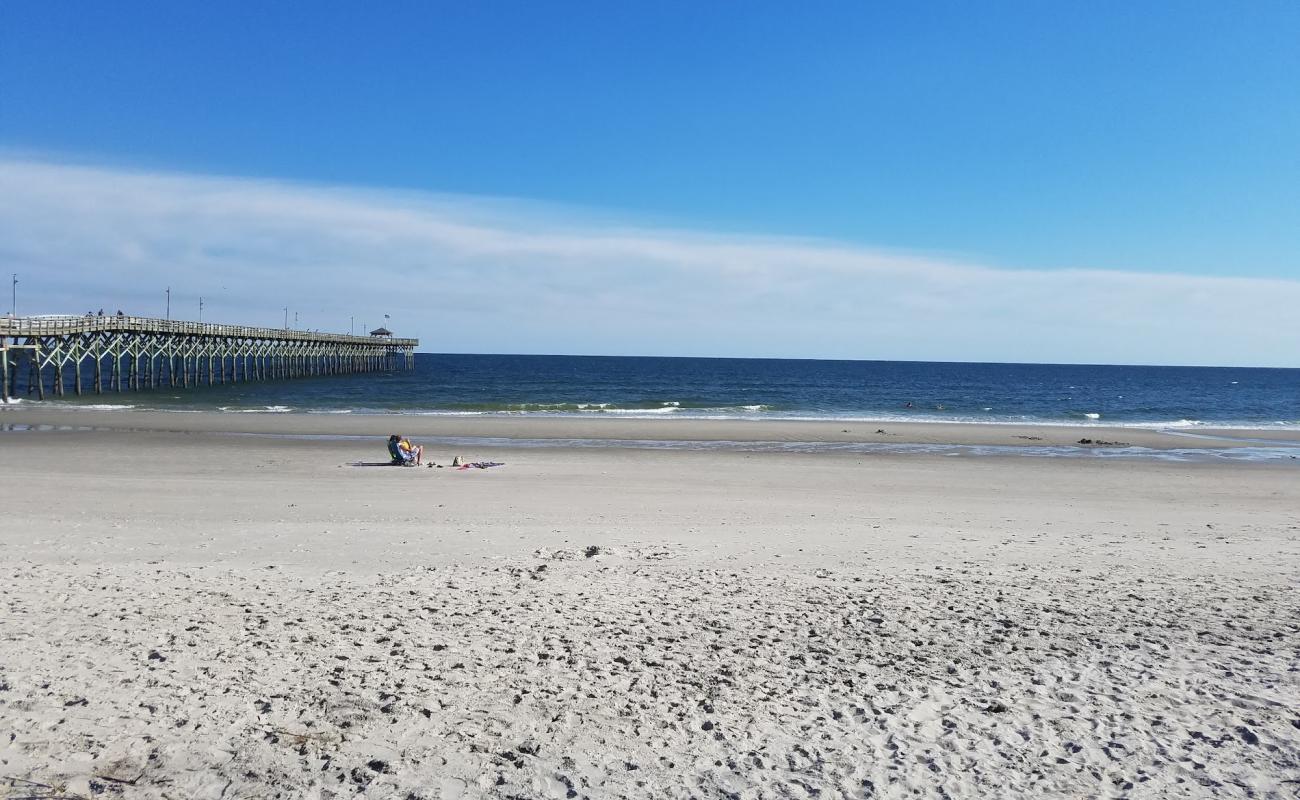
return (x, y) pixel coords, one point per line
(1044, 139)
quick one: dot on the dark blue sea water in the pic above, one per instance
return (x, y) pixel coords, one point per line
(771, 388)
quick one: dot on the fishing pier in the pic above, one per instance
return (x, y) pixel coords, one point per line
(94, 354)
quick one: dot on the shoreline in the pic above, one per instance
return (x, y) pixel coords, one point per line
(828, 432)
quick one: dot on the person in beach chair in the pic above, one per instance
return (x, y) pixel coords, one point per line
(415, 451)
(401, 458)
(403, 452)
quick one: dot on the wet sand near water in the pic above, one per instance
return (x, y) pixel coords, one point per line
(738, 430)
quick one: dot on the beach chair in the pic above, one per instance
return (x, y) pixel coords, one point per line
(400, 457)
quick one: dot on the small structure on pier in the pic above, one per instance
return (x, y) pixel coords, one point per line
(95, 353)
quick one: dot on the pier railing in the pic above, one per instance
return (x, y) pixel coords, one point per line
(53, 325)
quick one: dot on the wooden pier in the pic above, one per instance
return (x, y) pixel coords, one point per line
(94, 354)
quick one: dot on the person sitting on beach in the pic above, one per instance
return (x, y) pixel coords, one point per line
(415, 451)
(403, 452)
(400, 457)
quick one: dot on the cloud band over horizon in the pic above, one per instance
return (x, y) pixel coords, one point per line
(466, 274)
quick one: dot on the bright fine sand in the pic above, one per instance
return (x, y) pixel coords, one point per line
(189, 613)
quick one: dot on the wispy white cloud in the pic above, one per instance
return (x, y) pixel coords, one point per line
(473, 275)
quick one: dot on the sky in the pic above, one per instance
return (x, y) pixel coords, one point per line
(1060, 182)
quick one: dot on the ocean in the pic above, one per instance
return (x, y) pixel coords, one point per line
(1162, 397)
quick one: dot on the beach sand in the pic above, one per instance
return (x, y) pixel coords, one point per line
(186, 613)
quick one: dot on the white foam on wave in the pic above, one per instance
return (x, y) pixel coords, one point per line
(262, 410)
(1093, 415)
(64, 405)
(754, 413)
(1280, 424)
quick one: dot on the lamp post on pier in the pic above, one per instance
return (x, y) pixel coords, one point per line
(200, 308)
(13, 308)
(169, 302)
